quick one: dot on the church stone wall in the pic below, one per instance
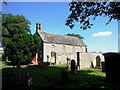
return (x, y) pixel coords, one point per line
(88, 60)
(62, 52)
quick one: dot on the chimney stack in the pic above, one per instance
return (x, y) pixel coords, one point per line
(38, 27)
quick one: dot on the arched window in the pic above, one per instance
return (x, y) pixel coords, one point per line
(53, 48)
(53, 51)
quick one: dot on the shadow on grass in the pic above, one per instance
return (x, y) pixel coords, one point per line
(50, 77)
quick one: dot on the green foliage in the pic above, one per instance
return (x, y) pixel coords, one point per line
(19, 48)
(12, 25)
(18, 42)
(5, 1)
(75, 35)
(22, 48)
(37, 41)
(82, 12)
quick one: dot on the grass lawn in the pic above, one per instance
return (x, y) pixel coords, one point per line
(51, 77)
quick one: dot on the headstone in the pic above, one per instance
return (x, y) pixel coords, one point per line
(92, 66)
(6, 59)
(103, 66)
(68, 62)
(98, 60)
(73, 66)
(43, 65)
(112, 67)
(17, 72)
(64, 76)
(29, 81)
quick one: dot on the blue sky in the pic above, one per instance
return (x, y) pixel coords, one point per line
(100, 37)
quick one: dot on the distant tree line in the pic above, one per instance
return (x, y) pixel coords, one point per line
(75, 35)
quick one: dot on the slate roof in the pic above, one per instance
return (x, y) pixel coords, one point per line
(61, 39)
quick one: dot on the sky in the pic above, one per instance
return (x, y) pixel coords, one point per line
(52, 15)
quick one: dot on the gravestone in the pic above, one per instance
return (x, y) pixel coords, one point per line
(64, 76)
(98, 60)
(17, 72)
(73, 66)
(29, 81)
(92, 66)
(112, 67)
(68, 62)
(103, 66)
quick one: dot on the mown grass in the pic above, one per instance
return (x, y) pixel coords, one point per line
(51, 77)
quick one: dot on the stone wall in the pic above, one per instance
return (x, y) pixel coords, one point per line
(62, 52)
(88, 60)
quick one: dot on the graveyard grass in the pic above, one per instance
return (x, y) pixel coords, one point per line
(50, 77)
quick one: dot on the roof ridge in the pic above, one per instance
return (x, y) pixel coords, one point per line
(58, 38)
(60, 34)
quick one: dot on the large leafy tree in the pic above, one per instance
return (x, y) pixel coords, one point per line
(19, 44)
(21, 47)
(12, 25)
(83, 12)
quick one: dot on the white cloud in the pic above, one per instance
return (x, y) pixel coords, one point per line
(102, 34)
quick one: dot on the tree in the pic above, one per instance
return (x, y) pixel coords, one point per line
(21, 48)
(5, 2)
(83, 12)
(18, 42)
(75, 35)
(37, 41)
(12, 25)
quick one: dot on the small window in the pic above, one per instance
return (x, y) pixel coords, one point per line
(53, 48)
(39, 28)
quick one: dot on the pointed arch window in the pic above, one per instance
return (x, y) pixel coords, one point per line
(53, 54)
(53, 48)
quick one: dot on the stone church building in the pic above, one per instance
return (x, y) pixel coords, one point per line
(61, 49)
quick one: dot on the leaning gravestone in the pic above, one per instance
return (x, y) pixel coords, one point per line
(73, 66)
